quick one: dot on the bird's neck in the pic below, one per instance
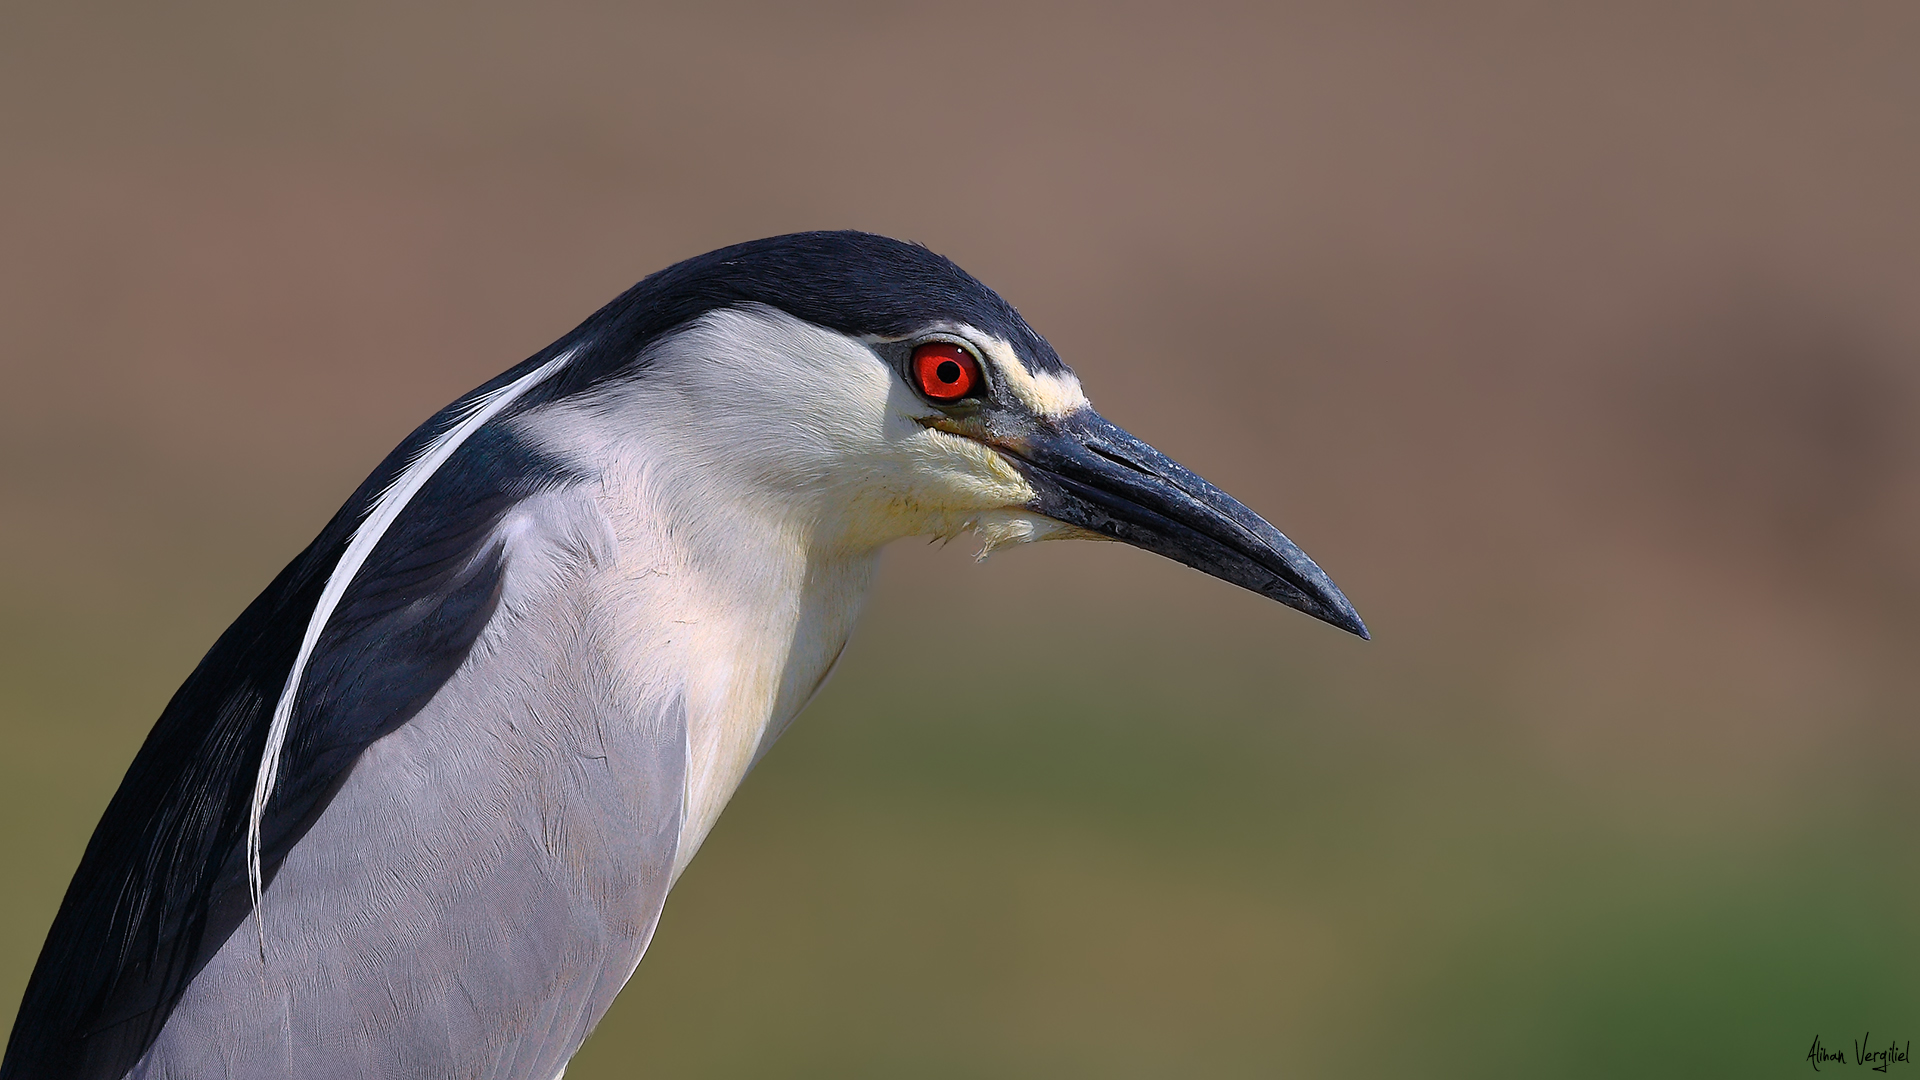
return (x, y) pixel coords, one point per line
(729, 601)
(763, 627)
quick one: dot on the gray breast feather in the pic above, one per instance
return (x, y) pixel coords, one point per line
(486, 879)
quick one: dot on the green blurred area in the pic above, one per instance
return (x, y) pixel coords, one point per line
(1159, 850)
(1578, 343)
(1181, 872)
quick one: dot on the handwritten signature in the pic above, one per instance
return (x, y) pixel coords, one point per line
(1895, 1053)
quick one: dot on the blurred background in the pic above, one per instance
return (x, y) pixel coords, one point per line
(1579, 342)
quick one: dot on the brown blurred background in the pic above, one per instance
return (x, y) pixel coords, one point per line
(1579, 343)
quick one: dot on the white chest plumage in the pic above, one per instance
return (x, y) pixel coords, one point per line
(744, 647)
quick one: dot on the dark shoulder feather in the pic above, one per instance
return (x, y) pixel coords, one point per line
(162, 883)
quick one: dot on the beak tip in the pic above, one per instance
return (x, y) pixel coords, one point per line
(1340, 613)
(1311, 591)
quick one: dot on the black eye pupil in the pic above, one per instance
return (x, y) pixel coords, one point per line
(948, 372)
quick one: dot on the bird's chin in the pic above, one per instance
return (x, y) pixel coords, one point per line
(1013, 526)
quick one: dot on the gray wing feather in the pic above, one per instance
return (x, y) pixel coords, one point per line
(479, 889)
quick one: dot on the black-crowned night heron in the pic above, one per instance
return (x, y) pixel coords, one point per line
(416, 812)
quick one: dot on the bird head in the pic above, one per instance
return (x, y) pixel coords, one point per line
(859, 390)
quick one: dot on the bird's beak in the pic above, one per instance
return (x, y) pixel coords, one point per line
(1090, 473)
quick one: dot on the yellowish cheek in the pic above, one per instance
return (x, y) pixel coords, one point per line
(991, 482)
(947, 487)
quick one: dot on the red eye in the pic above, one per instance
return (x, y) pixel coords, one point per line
(944, 371)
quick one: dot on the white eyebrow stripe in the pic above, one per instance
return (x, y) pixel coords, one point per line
(1052, 394)
(386, 510)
